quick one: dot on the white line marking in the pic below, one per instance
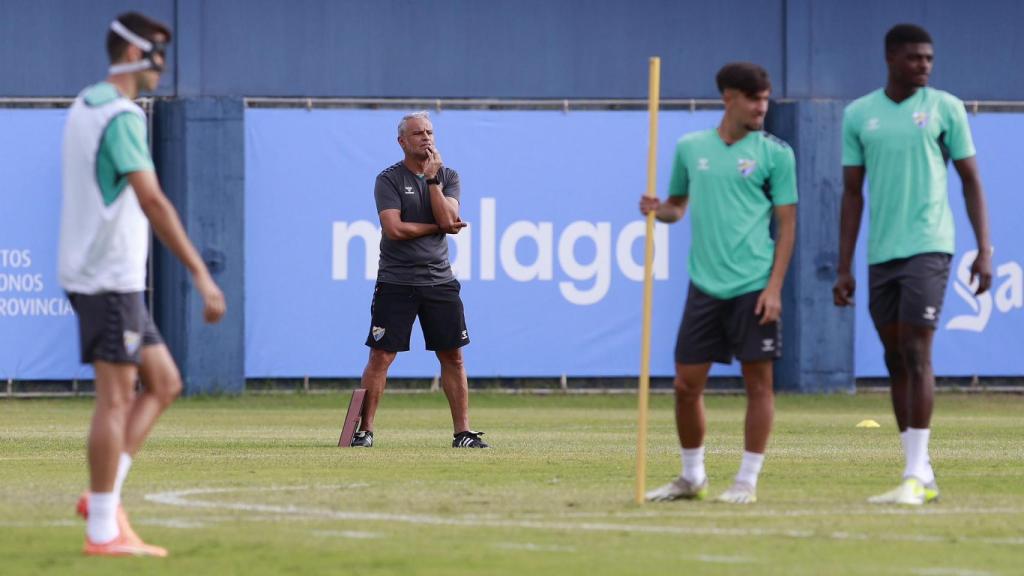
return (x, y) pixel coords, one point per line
(183, 523)
(185, 499)
(352, 534)
(50, 524)
(950, 572)
(768, 513)
(723, 559)
(534, 547)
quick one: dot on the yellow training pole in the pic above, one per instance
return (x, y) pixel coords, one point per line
(654, 89)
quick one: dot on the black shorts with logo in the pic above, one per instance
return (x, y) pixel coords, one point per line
(113, 326)
(909, 290)
(396, 306)
(715, 330)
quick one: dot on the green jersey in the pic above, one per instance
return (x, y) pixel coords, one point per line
(123, 149)
(904, 148)
(732, 190)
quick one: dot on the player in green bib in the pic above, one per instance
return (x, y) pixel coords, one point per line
(733, 179)
(901, 138)
(111, 196)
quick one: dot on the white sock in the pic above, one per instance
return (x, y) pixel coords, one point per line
(102, 524)
(915, 444)
(693, 465)
(123, 466)
(750, 467)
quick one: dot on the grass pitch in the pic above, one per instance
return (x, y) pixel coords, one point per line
(255, 485)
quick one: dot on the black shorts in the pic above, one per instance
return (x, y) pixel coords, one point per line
(396, 306)
(113, 326)
(715, 330)
(909, 290)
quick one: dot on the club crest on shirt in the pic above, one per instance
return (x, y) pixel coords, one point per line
(746, 166)
(921, 119)
(132, 340)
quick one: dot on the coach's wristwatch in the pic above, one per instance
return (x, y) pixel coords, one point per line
(433, 180)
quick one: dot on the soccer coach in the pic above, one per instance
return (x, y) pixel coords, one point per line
(418, 204)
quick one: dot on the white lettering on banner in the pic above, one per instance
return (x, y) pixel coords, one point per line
(15, 258)
(1008, 286)
(22, 281)
(600, 268)
(343, 232)
(541, 233)
(11, 307)
(541, 268)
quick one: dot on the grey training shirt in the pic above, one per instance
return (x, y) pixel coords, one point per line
(421, 261)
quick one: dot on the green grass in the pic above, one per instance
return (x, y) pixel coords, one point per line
(553, 497)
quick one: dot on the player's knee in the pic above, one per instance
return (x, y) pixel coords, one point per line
(169, 389)
(894, 360)
(115, 404)
(916, 358)
(451, 359)
(381, 359)
(759, 388)
(688, 391)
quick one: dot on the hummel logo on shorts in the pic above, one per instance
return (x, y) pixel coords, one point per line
(767, 345)
(929, 313)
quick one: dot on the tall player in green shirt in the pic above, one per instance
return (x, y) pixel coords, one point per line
(734, 179)
(901, 137)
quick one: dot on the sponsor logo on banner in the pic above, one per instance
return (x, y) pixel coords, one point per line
(483, 250)
(1005, 295)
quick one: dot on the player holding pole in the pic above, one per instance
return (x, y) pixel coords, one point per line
(900, 137)
(734, 178)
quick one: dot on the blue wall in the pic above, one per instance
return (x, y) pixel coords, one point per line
(512, 49)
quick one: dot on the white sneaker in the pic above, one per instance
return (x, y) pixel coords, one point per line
(679, 489)
(910, 492)
(739, 493)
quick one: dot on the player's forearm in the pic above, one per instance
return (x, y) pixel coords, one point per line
(669, 213)
(849, 226)
(786, 239)
(977, 213)
(444, 213)
(411, 230)
(169, 230)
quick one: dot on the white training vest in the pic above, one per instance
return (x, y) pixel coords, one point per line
(102, 248)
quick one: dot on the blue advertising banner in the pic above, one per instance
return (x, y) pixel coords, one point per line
(978, 335)
(551, 264)
(38, 332)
